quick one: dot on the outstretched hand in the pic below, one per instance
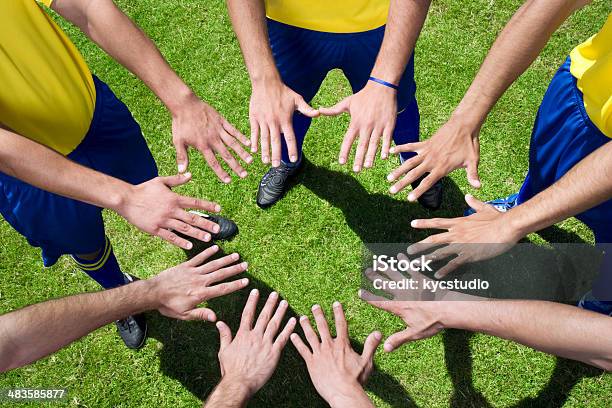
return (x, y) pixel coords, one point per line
(154, 208)
(373, 113)
(336, 370)
(453, 146)
(483, 235)
(271, 115)
(181, 289)
(423, 318)
(200, 126)
(249, 359)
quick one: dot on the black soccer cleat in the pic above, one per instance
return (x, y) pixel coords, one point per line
(227, 228)
(432, 198)
(133, 331)
(274, 183)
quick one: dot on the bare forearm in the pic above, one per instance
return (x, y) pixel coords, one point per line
(31, 333)
(516, 47)
(357, 398)
(228, 394)
(116, 34)
(586, 185)
(550, 327)
(50, 171)
(249, 22)
(404, 25)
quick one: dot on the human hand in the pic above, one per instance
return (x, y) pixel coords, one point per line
(154, 208)
(200, 126)
(271, 113)
(423, 318)
(248, 360)
(454, 145)
(179, 290)
(336, 370)
(373, 113)
(483, 235)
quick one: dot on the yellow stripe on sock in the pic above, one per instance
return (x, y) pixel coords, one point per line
(99, 263)
(90, 265)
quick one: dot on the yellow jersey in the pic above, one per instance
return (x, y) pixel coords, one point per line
(332, 16)
(591, 65)
(47, 92)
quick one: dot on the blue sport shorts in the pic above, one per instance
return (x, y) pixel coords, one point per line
(562, 136)
(304, 58)
(114, 145)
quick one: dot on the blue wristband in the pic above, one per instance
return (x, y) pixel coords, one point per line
(385, 83)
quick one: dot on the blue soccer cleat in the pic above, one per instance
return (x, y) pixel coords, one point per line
(500, 204)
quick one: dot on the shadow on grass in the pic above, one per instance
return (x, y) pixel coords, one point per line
(379, 218)
(559, 235)
(565, 376)
(189, 355)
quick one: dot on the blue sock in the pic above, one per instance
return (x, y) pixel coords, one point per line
(293, 165)
(104, 269)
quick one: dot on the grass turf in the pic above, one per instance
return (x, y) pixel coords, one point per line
(308, 247)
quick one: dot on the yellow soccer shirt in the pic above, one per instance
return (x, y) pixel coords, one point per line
(47, 92)
(592, 67)
(335, 16)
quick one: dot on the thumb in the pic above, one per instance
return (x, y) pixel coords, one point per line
(472, 173)
(377, 301)
(370, 297)
(225, 334)
(177, 180)
(475, 203)
(201, 313)
(370, 345)
(182, 158)
(305, 109)
(397, 339)
(337, 109)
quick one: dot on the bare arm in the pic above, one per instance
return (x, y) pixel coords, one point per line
(404, 24)
(50, 171)
(550, 327)
(151, 206)
(272, 102)
(33, 332)
(115, 33)
(456, 145)
(195, 123)
(249, 22)
(586, 185)
(516, 47)
(373, 110)
(228, 394)
(553, 328)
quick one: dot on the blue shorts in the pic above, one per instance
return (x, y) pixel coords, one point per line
(305, 57)
(114, 145)
(562, 136)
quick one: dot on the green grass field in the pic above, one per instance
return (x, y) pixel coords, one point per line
(308, 247)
